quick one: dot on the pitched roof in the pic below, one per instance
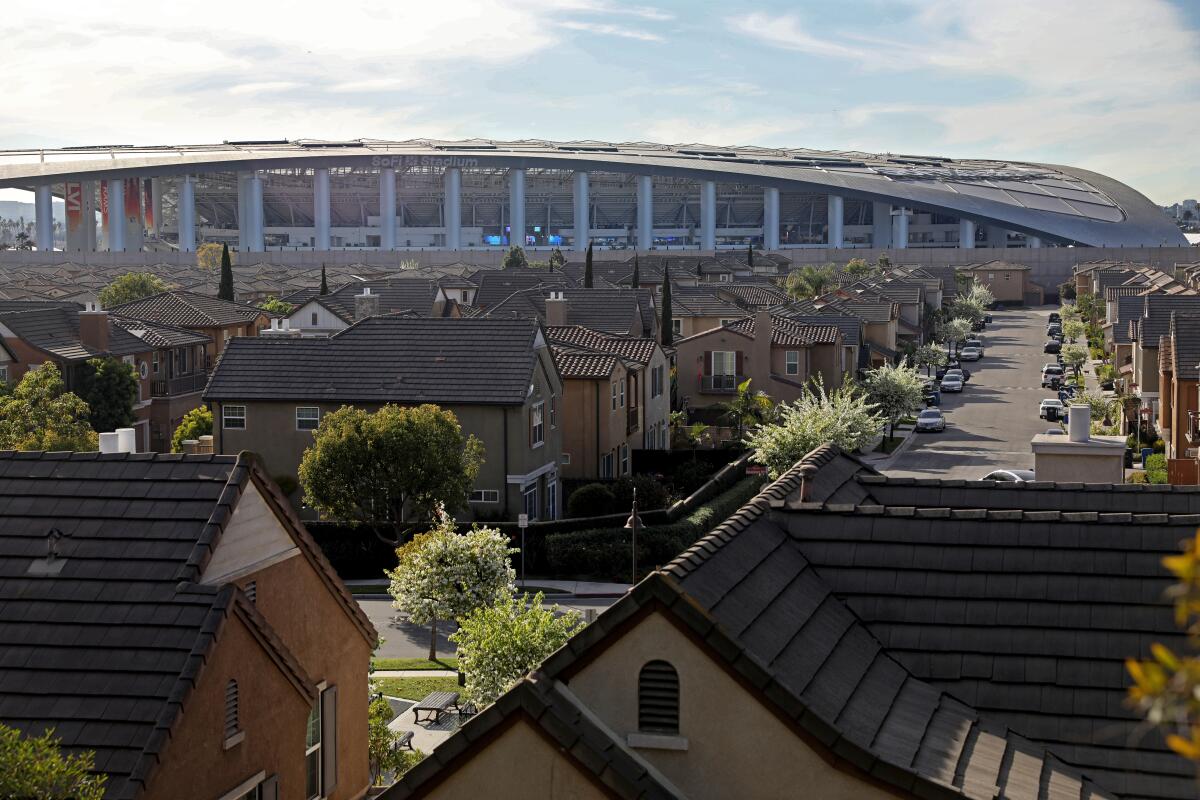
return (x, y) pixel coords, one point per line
(158, 335)
(631, 348)
(702, 301)
(615, 311)
(754, 296)
(1185, 346)
(574, 364)
(496, 285)
(850, 326)
(55, 331)
(1156, 314)
(190, 310)
(983, 266)
(388, 359)
(786, 332)
(395, 294)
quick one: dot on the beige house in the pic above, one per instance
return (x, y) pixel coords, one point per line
(695, 309)
(778, 354)
(1008, 282)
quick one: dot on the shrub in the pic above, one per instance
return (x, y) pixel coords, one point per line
(1159, 446)
(689, 477)
(1156, 468)
(650, 493)
(592, 500)
(287, 484)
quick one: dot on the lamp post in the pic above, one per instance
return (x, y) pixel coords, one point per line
(632, 524)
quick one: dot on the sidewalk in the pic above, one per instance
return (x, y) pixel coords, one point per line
(414, 673)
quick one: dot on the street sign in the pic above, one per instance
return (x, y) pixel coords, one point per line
(522, 520)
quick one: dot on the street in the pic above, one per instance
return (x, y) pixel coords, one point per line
(990, 424)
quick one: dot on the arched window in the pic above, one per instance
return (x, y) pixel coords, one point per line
(232, 723)
(658, 698)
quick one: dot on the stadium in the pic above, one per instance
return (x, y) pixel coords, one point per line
(312, 195)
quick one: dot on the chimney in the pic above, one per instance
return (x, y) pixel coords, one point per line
(366, 304)
(126, 440)
(1079, 423)
(807, 473)
(556, 309)
(109, 442)
(93, 326)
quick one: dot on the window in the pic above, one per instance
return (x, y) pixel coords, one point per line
(320, 746)
(312, 753)
(485, 496)
(658, 698)
(614, 396)
(624, 459)
(4, 374)
(656, 381)
(314, 319)
(155, 362)
(792, 365)
(530, 496)
(307, 418)
(621, 393)
(537, 428)
(232, 723)
(233, 417)
(676, 326)
(566, 458)
(724, 362)
(553, 411)
(724, 277)
(606, 465)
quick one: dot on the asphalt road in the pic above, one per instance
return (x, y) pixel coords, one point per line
(989, 426)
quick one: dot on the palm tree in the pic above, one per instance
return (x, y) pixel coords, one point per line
(748, 408)
(809, 281)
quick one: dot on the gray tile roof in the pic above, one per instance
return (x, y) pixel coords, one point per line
(1156, 314)
(55, 331)
(703, 301)
(1128, 309)
(496, 285)
(190, 310)
(614, 311)
(395, 294)
(385, 360)
(157, 335)
(1185, 342)
(754, 296)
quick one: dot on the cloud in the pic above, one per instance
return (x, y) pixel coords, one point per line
(606, 29)
(263, 87)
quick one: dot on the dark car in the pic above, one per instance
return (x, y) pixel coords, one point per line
(1055, 316)
(1053, 346)
(977, 326)
(933, 397)
(987, 319)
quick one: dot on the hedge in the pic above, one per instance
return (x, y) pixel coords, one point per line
(604, 553)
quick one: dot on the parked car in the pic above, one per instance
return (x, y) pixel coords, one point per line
(1010, 475)
(976, 343)
(1050, 408)
(977, 326)
(1053, 346)
(1052, 375)
(987, 319)
(970, 354)
(933, 397)
(952, 383)
(962, 373)
(930, 420)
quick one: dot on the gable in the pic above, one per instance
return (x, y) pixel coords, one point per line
(253, 539)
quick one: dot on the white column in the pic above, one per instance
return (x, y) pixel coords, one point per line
(1033, 241)
(43, 215)
(187, 214)
(645, 212)
(582, 208)
(708, 215)
(516, 207)
(900, 227)
(156, 206)
(771, 218)
(966, 234)
(881, 226)
(116, 215)
(321, 209)
(452, 210)
(387, 209)
(243, 210)
(254, 213)
(836, 210)
(90, 243)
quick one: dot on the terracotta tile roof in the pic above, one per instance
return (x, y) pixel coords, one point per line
(574, 364)
(786, 332)
(639, 349)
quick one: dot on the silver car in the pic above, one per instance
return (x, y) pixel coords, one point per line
(930, 420)
(952, 383)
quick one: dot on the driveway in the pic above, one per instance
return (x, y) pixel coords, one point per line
(989, 426)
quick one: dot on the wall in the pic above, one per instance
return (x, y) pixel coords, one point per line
(1079, 468)
(655, 409)
(273, 715)
(715, 714)
(1006, 285)
(301, 318)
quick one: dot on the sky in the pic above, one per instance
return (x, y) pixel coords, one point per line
(1108, 85)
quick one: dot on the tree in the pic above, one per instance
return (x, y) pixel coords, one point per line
(1072, 329)
(514, 259)
(930, 356)
(750, 256)
(587, 267)
(195, 423)
(636, 280)
(109, 386)
(967, 306)
(208, 255)
(858, 268)
(389, 467)
(894, 391)
(809, 281)
(129, 287)
(952, 331)
(844, 418)
(557, 259)
(883, 263)
(36, 767)
(667, 328)
(1088, 306)
(382, 754)
(748, 408)
(981, 295)
(444, 574)
(1074, 356)
(501, 643)
(40, 414)
(324, 283)
(276, 306)
(225, 290)
(1066, 291)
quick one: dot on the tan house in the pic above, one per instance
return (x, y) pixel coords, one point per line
(1146, 332)
(695, 309)
(194, 639)
(219, 320)
(1178, 379)
(776, 353)
(269, 393)
(616, 399)
(1008, 282)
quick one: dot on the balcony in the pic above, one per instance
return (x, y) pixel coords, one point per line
(720, 384)
(633, 421)
(184, 384)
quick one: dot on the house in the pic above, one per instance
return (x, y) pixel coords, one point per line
(268, 394)
(753, 296)
(168, 360)
(219, 320)
(881, 318)
(616, 399)
(1146, 331)
(324, 314)
(695, 309)
(1009, 283)
(1178, 381)
(881, 637)
(493, 286)
(623, 312)
(778, 354)
(852, 329)
(171, 615)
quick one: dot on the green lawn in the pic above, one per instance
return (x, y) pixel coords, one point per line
(889, 443)
(416, 688)
(448, 662)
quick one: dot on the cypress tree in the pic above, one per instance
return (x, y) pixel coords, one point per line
(225, 290)
(324, 283)
(637, 277)
(750, 256)
(587, 268)
(699, 270)
(667, 334)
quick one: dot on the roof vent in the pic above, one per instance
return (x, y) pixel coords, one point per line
(53, 563)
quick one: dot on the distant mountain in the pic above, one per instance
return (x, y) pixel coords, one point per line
(15, 209)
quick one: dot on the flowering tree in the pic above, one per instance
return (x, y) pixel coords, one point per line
(1072, 329)
(499, 644)
(930, 356)
(39, 414)
(981, 295)
(444, 574)
(844, 417)
(954, 330)
(894, 391)
(968, 307)
(1073, 355)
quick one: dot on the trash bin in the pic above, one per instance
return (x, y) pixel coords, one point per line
(1146, 453)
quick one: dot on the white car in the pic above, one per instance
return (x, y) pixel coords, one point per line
(970, 354)
(1010, 475)
(952, 383)
(1050, 402)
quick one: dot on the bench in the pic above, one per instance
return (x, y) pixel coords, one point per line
(405, 741)
(436, 703)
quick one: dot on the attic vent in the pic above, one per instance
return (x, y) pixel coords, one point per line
(251, 590)
(658, 698)
(231, 709)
